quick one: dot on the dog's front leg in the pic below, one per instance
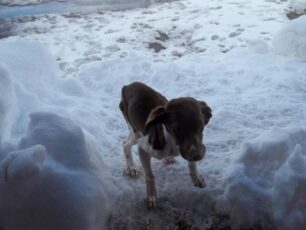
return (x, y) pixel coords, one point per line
(197, 181)
(145, 159)
(130, 165)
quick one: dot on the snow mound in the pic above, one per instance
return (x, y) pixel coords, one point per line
(30, 83)
(54, 176)
(291, 40)
(61, 187)
(288, 197)
(267, 183)
(7, 104)
(24, 164)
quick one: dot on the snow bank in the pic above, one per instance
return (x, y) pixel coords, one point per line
(288, 197)
(7, 105)
(34, 76)
(267, 184)
(291, 40)
(53, 177)
(60, 186)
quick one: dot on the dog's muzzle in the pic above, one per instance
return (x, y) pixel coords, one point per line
(194, 154)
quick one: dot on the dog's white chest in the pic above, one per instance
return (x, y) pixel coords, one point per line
(170, 149)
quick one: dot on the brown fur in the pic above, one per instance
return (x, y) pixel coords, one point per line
(146, 110)
(137, 102)
(163, 129)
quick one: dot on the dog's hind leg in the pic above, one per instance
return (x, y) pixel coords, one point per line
(131, 169)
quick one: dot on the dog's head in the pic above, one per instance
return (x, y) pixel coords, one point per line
(184, 118)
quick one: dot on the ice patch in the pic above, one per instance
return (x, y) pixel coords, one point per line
(14, 8)
(21, 2)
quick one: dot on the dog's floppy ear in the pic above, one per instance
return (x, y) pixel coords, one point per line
(206, 111)
(156, 137)
(155, 116)
(154, 128)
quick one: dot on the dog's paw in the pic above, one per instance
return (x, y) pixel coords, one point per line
(152, 201)
(132, 171)
(168, 160)
(199, 182)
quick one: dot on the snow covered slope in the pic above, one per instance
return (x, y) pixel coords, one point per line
(215, 51)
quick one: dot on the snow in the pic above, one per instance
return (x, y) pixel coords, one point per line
(270, 170)
(62, 130)
(7, 105)
(291, 40)
(55, 164)
(290, 203)
(298, 6)
(193, 28)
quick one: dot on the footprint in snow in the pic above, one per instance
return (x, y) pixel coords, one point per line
(121, 39)
(215, 37)
(112, 48)
(110, 31)
(148, 12)
(157, 47)
(236, 33)
(215, 8)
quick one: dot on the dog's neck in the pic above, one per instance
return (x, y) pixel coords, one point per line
(169, 149)
(156, 137)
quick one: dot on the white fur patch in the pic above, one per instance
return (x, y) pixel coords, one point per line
(170, 149)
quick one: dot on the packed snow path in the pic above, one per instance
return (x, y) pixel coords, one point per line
(217, 51)
(181, 28)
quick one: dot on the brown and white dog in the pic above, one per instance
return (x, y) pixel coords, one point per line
(162, 129)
